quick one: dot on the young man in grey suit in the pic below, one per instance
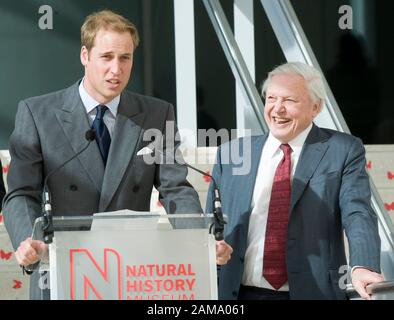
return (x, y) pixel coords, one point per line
(109, 175)
(287, 214)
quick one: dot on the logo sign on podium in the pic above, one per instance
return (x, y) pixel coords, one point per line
(177, 264)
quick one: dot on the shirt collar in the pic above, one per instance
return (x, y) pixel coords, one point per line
(272, 144)
(91, 103)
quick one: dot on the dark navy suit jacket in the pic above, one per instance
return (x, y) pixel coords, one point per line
(330, 192)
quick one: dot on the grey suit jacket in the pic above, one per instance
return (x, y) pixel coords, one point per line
(330, 192)
(50, 129)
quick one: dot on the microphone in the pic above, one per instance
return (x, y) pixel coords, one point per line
(217, 203)
(47, 227)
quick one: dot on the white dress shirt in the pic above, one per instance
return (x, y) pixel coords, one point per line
(270, 158)
(91, 104)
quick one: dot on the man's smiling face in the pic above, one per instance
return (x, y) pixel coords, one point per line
(289, 108)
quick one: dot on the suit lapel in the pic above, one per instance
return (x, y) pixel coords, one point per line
(249, 180)
(313, 151)
(73, 119)
(127, 133)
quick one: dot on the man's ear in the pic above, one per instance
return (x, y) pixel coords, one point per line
(84, 56)
(317, 107)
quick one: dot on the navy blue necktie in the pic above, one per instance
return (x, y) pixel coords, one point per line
(103, 138)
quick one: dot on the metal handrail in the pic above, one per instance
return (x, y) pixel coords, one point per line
(379, 291)
(235, 59)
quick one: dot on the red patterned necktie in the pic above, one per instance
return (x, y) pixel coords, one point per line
(274, 261)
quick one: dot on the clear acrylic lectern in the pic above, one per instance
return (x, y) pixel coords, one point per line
(131, 255)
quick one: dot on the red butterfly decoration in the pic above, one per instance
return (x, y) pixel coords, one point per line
(368, 165)
(5, 169)
(5, 255)
(158, 203)
(206, 178)
(390, 175)
(1, 218)
(389, 206)
(17, 284)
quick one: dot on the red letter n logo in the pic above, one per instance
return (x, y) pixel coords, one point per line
(92, 280)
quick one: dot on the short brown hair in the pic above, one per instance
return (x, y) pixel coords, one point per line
(107, 20)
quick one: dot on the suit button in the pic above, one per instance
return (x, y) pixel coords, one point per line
(73, 187)
(235, 294)
(136, 189)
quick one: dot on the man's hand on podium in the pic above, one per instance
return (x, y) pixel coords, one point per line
(30, 251)
(223, 252)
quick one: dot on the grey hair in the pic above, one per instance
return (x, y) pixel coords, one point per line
(312, 76)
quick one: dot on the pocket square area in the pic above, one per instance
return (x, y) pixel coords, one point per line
(144, 151)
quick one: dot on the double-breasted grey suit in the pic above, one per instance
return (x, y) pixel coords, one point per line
(330, 192)
(50, 129)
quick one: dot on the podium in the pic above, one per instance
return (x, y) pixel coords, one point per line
(131, 255)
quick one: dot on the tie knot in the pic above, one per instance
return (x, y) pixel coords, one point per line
(285, 148)
(101, 111)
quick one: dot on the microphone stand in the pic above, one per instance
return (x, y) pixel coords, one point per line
(217, 203)
(46, 208)
(47, 226)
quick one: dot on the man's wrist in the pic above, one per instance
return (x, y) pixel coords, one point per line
(358, 267)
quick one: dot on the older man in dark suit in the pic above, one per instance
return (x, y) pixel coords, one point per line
(287, 214)
(107, 176)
